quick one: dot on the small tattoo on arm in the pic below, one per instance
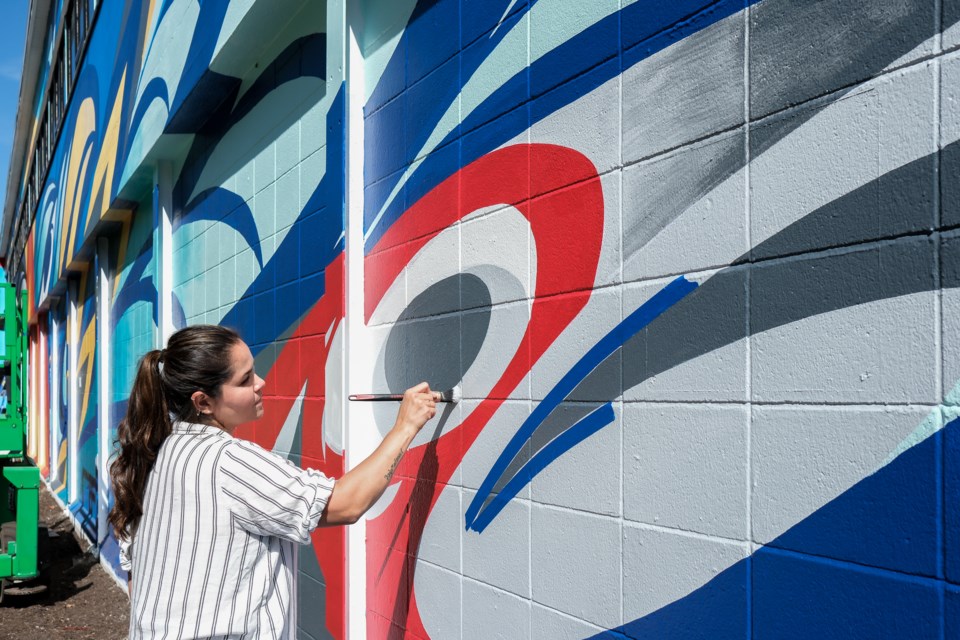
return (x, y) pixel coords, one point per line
(393, 467)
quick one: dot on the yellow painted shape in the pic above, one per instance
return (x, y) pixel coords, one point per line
(88, 349)
(107, 161)
(76, 164)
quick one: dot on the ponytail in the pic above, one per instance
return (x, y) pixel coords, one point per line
(140, 435)
(197, 358)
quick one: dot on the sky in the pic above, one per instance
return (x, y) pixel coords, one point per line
(13, 30)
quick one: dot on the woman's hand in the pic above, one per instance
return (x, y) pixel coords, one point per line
(419, 405)
(360, 487)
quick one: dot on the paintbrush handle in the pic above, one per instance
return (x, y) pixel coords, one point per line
(377, 397)
(450, 395)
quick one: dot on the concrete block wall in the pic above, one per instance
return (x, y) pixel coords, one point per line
(693, 264)
(766, 455)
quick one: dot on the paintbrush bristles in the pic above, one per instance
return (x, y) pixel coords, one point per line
(451, 395)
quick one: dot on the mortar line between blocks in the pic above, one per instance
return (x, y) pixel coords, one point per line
(748, 354)
(620, 404)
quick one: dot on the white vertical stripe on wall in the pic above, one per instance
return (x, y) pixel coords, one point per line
(33, 371)
(357, 443)
(54, 326)
(163, 248)
(73, 392)
(42, 378)
(104, 278)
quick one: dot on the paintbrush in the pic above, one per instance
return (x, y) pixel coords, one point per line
(450, 395)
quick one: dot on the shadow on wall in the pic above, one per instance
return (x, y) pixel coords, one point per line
(888, 520)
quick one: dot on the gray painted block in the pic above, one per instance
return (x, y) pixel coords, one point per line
(685, 467)
(430, 293)
(548, 624)
(660, 568)
(500, 555)
(696, 350)
(597, 126)
(440, 543)
(438, 600)
(800, 49)
(803, 458)
(838, 172)
(587, 477)
(486, 449)
(950, 281)
(495, 247)
(851, 327)
(685, 212)
(600, 315)
(950, 138)
(572, 548)
(951, 24)
(489, 614)
(425, 349)
(503, 327)
(685, 92)
(610, 262)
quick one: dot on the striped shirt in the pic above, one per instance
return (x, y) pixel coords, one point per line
(215, 552)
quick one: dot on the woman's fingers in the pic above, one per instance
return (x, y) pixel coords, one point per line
(418, 406)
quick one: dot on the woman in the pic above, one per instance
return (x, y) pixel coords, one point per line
(209, 524)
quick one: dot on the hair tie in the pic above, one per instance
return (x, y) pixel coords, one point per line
(163, 354)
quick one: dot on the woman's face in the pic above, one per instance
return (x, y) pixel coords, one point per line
(241, 396)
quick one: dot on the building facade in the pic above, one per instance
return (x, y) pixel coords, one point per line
(692, 263)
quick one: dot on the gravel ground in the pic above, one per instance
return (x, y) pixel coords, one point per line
(82, 601)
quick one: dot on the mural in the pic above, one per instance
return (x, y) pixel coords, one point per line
(668, 242)
(255, 136)
(693, 264)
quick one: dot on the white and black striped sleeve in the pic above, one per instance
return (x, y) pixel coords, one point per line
(268, 495)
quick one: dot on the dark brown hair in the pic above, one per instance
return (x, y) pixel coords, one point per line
(197, 358)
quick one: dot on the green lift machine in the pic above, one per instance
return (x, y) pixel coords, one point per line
(19, 476)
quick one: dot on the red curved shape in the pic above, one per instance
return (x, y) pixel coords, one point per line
(557, 189)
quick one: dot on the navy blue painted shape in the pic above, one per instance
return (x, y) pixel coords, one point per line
(482, 17)
(796, 595)
(156, 88)
(602, 40)
(316, 236)
(428, 100)
(803, 597)
(951, 490)
(901, 507)
(384, 146)
(717, 613)
(609, 344)
(952, 612)
(136, 288)
(223, 205)
(431, 40)
(580, 431)
(662, 27)
(202, 44)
